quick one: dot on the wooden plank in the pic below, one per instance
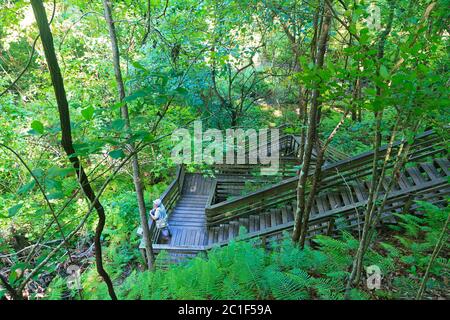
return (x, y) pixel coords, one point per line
(345, 198)
(262, 221)
(225, 231)
(231, 231)
(430, 171)
(210, 235)
(183, 237)
(330, 227)
(246, 224)
(278, 217)
(359, 192)
(221, 233)
(236, 228)
(291, 212)
(444, 164)
(403, 182)
(216, 234)
(284, 215)
(257, 223)
(319, 205)
(251, 224)
(197, 236)
(273, 221)
(333, 200)
(415, 175)
(178, 236)
(203, 237)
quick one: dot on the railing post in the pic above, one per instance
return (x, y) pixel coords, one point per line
(330, 227)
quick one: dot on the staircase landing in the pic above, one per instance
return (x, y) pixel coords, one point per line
(188, 221)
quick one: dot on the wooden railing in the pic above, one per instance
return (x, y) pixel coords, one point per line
(232, 178)
(335, 174)
(351, 216)
(169, 199)
(212, 194)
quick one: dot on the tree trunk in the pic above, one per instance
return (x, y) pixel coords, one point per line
(373, 194)
(312, 130)
(440, 243)
(125, 115)
(316, 180)
(66, 132)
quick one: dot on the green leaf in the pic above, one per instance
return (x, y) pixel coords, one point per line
(37, 126)
(118, 105)
(26, 187)
(55, 195)
(14, 210)
(88, 113)
(118, 124)
(59, 172)
(384, 72)
(137, 65)
(116, 154)
(16, 270)
(136, 95)
(161, 99)
(181, 91)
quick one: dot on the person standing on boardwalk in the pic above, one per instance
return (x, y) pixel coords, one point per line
(159, 215)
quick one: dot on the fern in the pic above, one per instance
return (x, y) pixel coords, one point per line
(56, 289)
(287, 286)
(242, 270)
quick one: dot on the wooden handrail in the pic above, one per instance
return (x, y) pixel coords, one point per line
(169, 198)
(424, 145)
(395, 201)
(212, 194)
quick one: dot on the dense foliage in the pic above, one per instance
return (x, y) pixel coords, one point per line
(246, 63)
(242, 270)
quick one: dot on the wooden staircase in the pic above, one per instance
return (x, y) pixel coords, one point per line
(188, 221)
(199, 223)
(342, 208)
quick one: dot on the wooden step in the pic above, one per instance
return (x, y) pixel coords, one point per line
(252, 224)
(284, 215)
(187, 204)
(431, 171)
(262, 221)
(273, 219)
(187, 219)
(178, 212)
(444, 164)
(210, 235)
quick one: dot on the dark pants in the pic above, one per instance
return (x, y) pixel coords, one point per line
(165, 232)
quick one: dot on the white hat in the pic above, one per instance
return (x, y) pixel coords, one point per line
(157, 202)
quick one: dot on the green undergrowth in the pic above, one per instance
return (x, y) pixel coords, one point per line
(242, 270)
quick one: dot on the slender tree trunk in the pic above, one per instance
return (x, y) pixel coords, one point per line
(312, 130)
(303, 117)
(440, 243)
(66, 132)
(401, 159)
(316, 180)
(125, 115)
(355, 105)
(355, 274)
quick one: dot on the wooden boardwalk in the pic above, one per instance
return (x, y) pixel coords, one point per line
(199, 222)
(188, 221)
